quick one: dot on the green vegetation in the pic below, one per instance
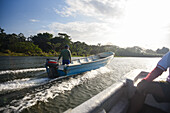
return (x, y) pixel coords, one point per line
(45, 44)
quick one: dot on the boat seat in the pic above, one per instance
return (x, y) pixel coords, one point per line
(89, 59)
(74, 62)
(84, 60)
(152, 102)
(95, 58)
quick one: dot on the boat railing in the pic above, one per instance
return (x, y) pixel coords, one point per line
(74, 62)
(93, 58)
(83, 60)
(96, 57)
(89, 59)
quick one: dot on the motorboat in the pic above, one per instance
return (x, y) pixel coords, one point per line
(77, 66)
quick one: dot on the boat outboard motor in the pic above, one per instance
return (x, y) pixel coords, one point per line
(51, 67)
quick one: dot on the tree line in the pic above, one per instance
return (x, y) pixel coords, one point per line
(45, 44)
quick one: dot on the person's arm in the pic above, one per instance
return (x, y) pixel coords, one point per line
(162, 66)
(143, 84)
(70, 56)
(153, 74)
(60, 56)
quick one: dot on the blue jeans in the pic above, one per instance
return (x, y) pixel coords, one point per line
(66, 62)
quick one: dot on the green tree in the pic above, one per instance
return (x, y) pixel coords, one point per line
(60, 41)
(21, 37)
(65, 37)
(2, 30)
(162, 51)
(2, 39)
(25, 47)
(80, 48)
(42, 40)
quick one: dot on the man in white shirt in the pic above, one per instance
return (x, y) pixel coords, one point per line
(160, 90)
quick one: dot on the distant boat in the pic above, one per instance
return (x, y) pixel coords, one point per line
(54, 69)
(115, 99)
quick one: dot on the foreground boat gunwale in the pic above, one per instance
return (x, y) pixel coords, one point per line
(117, 96)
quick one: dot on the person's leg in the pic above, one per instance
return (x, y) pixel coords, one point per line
(155, 88)
(63, 62)
(138, 99)
(66, 62)
(136, 102)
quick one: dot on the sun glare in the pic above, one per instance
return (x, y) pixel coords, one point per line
(145, 21)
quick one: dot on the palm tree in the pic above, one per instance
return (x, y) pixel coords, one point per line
(2, 30)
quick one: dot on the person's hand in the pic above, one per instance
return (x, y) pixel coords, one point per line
(142, 85)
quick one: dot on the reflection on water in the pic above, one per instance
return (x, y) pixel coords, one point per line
(37, 94)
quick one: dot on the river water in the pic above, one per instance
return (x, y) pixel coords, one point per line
(25, 87)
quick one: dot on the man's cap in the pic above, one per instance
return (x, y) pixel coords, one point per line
(66, 46)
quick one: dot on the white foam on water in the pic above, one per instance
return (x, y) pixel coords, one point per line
(21, 83)
(21, 71)
(31, 99)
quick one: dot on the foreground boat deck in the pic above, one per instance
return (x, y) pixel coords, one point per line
(149, 109)
(116, 98)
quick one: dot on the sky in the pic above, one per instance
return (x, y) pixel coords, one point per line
(125, 23)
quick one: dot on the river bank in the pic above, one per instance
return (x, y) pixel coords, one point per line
(41, 54)
(28, 54)
(57, 54)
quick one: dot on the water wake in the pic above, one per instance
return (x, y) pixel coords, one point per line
(57, 88)
(21, 71)
(21, 83)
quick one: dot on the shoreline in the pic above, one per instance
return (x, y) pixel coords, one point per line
(56, 55)
(40, 55)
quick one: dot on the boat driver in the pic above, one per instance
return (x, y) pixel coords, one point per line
(160, 90)
(66, 56)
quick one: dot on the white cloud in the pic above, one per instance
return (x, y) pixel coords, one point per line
(106, 12)
(120, 22)
(34, 20)
(91, 33)
(45, 31)
(99, 9)
(145, 22)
